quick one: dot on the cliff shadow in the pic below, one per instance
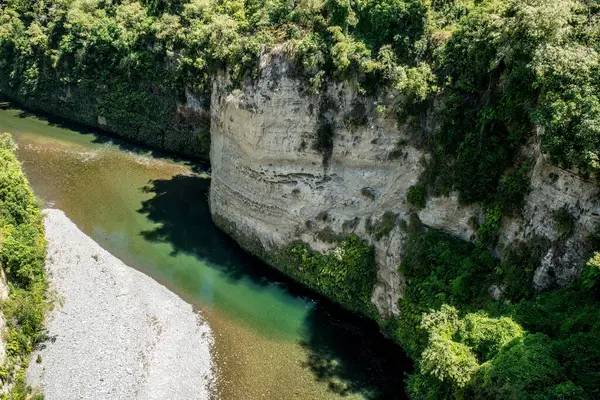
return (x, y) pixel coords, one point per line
(349, 353)
(179, 206)
(345, 351)
(98, 135)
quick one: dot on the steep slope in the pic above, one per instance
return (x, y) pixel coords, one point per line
(273, 185)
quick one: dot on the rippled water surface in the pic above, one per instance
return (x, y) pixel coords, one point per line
(273, 339)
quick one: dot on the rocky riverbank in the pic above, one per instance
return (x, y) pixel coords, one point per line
(115, 332)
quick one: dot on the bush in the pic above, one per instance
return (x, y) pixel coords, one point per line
(590, 279)
(546, 346)
(347, 274)
(22, 256)
(525, 367)
(382, 227)
(416, 196)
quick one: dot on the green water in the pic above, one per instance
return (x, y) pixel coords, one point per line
(273, 339)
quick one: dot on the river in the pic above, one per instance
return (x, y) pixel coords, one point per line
(273, 338)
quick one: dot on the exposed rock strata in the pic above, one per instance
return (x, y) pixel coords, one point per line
(276, 179)
(562, 209)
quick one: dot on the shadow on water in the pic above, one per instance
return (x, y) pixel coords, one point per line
(349, 354)
(344, 350)
(180, 208)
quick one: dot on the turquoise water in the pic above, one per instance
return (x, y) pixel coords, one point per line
(274, 339)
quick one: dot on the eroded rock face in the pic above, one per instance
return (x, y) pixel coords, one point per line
(273, 182)
(561, 209)
(289, 166)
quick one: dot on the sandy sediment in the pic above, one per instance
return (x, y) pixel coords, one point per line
(116, 333)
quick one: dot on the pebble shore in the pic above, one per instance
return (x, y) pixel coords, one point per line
(115, 333)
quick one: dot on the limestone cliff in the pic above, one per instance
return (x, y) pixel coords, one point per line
(291, 166)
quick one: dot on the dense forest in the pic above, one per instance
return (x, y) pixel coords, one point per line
(500, 67)
(497, 75)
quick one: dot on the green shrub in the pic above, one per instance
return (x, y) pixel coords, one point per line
(449, 361)
(22, 256)
(347, 274)
(591, 273)
(563, 221)
(443, 269)
(525, 367)
(544, 346)
(382, 227)
(488, 336)
(519, 262)
(416, 196)
(487, 233)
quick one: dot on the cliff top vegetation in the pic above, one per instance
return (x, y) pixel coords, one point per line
(497, 68)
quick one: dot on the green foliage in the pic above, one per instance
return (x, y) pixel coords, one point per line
(518, 264)
(448, 360)
(487, 233)
(416, 196)
(346, 274)
(22, 256)
(398, 23)
(513, 187)
(563, 221)
(507, 66)
(443, 269)
(488, 336)
(525, 367)
(563, 391)
(590, 279)
(542, 346)
(382, 227)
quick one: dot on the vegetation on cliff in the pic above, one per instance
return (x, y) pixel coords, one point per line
(499, 72)
(468, 345)
(346, 275)
(499, 67)
(22, 257)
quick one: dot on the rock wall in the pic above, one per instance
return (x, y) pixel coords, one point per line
(561, 213)
(274, 182)
(270, 181)
(175, 122)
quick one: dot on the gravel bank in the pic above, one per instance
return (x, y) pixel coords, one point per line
(118, 333)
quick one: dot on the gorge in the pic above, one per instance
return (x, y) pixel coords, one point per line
(431, 165)
(272, 337)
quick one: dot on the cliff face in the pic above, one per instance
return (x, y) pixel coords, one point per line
(289, 166)
(171, 120)
(561, 212)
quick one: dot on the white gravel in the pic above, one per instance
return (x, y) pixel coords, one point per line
(115, 332)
